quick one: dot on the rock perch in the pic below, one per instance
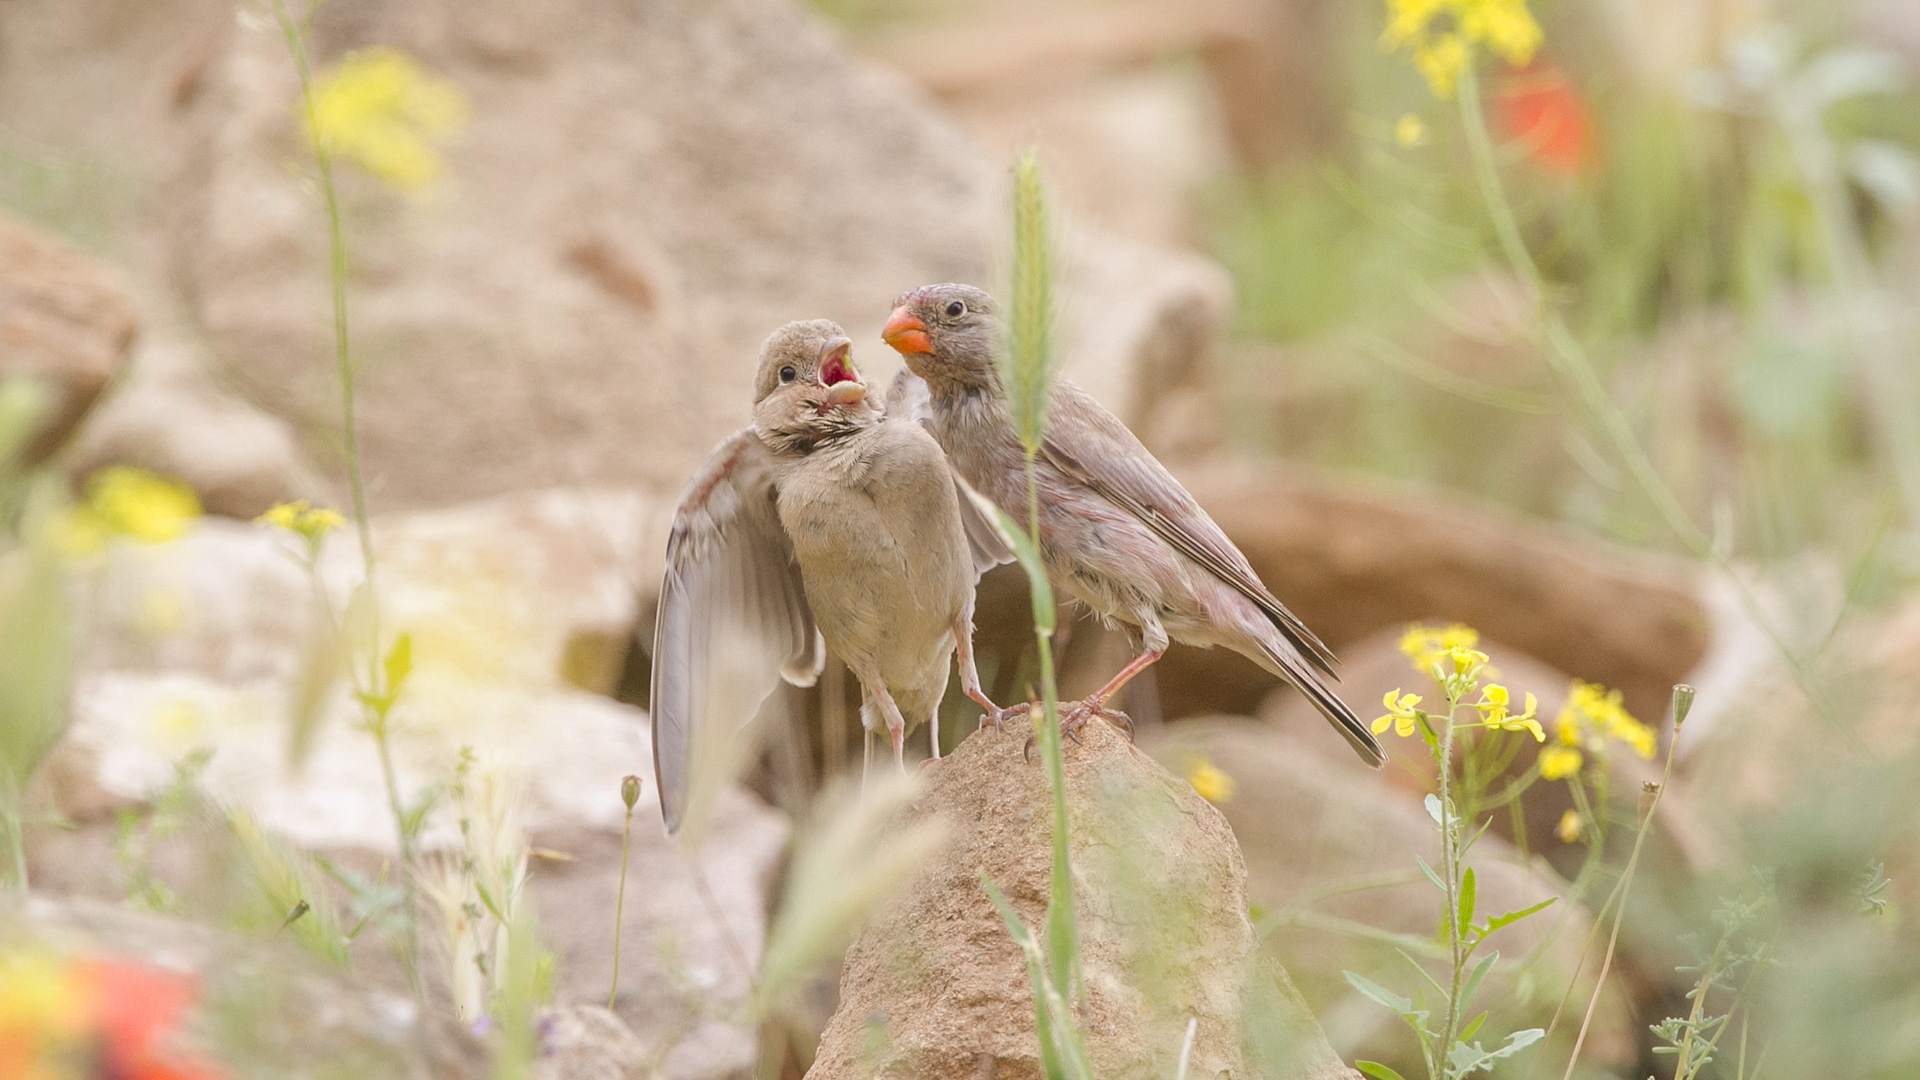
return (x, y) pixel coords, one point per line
(935, 988)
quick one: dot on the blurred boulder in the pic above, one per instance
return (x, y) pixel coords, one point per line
(1349, 560)
(66, 322)
(210, 643)
(586, 1042)
(1330, 851)
(641, 195)
(935, 987)
(169, 418)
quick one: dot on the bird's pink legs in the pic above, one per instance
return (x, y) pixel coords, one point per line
(876, 689)
(969, 674)
(1096, 705)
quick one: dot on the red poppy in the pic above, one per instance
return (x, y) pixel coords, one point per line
(1540, 110)
(136, 1010)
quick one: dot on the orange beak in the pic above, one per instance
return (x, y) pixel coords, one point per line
(906, 333)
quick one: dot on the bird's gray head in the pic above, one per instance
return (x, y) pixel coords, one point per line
(946, 333)
(806, 391)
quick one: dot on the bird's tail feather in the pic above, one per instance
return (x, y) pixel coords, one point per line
(1280, 658)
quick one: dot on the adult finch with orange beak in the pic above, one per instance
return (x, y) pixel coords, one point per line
(826, 514)
(1117, 531)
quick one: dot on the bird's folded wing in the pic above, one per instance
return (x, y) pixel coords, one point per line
(908, 398)
(1091, 445)
(733, 613)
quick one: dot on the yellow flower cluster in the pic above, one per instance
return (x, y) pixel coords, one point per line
(1424, 644)
(123, 501)
(300, 517)
(381, 110)
(1593, 714)
(1210, 781)
(41, 1005)
(1441, 35)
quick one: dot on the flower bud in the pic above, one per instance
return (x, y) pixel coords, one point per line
(1682, 704)
(630, 791)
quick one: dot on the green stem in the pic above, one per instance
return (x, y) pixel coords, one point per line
(343, 362)
(16, 836)
(620, 907)
(1624, 889)
(1063, 944)
(1570, 363)
(1450, 856)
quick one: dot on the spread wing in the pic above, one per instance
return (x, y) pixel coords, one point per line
(1112, 462)
(732, 610)
(908, 398)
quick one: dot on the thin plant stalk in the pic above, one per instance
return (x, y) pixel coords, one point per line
(16, 834)
(1451, 855)
(1031, 357)
(629, 794)
(1569, 361)
(376, 723)
(1682, 701)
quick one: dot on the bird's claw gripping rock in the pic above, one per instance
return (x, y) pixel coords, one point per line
(1074, 719)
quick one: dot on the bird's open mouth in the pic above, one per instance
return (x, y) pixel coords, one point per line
(837, 370)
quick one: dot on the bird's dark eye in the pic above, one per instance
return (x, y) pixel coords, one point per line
(956, 309)
(787, 374)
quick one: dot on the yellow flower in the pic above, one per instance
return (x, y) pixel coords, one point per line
(1213, 785)
(1594, 714)
(298, 517)
(132, 503)
(1424, 644)
(381, 110)
(42, 1005)
(1441, 35)
(1557, 762)
(1400, 713)
(1410, 130)
(1493, 712)
(1569, 829)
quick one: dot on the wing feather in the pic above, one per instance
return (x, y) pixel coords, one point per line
(732, 605)
(1115, 465)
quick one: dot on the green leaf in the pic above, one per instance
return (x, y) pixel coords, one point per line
(1512, 917)
(1472, 985)
(1465, 1058)
(1431, 876)
(1467, 890)
(1028, 555)
(1377, 1070)
(1380, 995)
(399, 664)
(1473, 1026)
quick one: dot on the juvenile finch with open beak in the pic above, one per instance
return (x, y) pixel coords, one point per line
(1117, 531)
(824, 519)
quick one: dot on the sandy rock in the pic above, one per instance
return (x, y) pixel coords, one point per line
(934, 987)
(278, 1012)
(641, 195)
(1350, 561)
(66, 321)
(1331, 844)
